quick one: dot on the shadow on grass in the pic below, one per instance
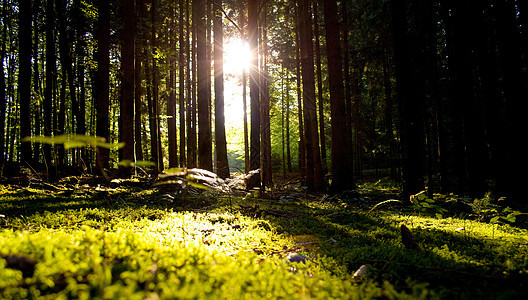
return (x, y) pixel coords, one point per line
(456, 265)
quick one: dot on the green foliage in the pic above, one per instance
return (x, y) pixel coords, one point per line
(422, 203)
(74, 141)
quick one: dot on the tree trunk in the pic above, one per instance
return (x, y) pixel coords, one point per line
(154, 105)
(515, 88)
(411, 122)
(265, 130)
(220, 135)
(242, 25)
(191, 108)
(181, 83)
(79, 49)
(24, 75)
(203, 95)
(314, 174)
(254, 159)
(126, 118)
(3, 94)
(302, 147)
(138, 79)
(171, 87)
(342, 178)
(102, 80)
(322, 136)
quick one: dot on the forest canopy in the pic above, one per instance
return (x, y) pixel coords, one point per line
(423, 91)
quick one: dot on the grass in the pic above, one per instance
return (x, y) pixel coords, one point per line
(138, 242)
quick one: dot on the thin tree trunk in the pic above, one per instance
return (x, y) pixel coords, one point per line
(79, 49)
(242, 25)
(288, 148)
(254, 159)
(138, 79)
(265, 130)
(302, 147)
(181, 83)
(24, 75)
(3, 94)
(318, 64)
(191, 125)
(171, 104)
(220, 135)
(153, 103)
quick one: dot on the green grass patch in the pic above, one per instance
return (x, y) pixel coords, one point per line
(145, 244)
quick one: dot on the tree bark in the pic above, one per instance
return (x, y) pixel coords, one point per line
(102, 80)
(254, 159)
(203, 95)
(181, 83)
(220, 135)
(265, 130)
(314, 177)
(126, 120)
(322, 136)
(342, 178)
(24, 75)
(171, 87)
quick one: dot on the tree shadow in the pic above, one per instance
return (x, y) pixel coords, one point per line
(455, 265)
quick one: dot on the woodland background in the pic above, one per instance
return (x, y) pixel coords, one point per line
(428, 92)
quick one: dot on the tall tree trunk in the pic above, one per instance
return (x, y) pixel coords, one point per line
(24, 74)
(265, 130)
(409, 104)
(342, 178)
(352, 135)
(514, 86)
(242, 25)
(220, 135)
(288, 148)
(254, 159)
(154, 105)
(50, 79)
(389, 129)
(322, 136)
(65, 49)
(3, 94)
(203, 78)
(302, 141)
(191, 108)
(36, 109)
(102, 80)
(171, 104)
(80, 53)
(138, 79)
(126, 118)
(314, 174)
(181, 82)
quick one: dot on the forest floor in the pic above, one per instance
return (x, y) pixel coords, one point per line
(137, 240)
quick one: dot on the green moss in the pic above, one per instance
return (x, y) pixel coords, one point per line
(113, 245)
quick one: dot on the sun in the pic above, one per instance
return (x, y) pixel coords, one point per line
(236, 56)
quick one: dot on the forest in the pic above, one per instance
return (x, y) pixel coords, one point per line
(285, 146)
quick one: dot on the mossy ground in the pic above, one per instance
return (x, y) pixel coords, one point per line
(140, 242)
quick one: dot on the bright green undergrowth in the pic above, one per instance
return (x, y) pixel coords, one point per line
(140, 244)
